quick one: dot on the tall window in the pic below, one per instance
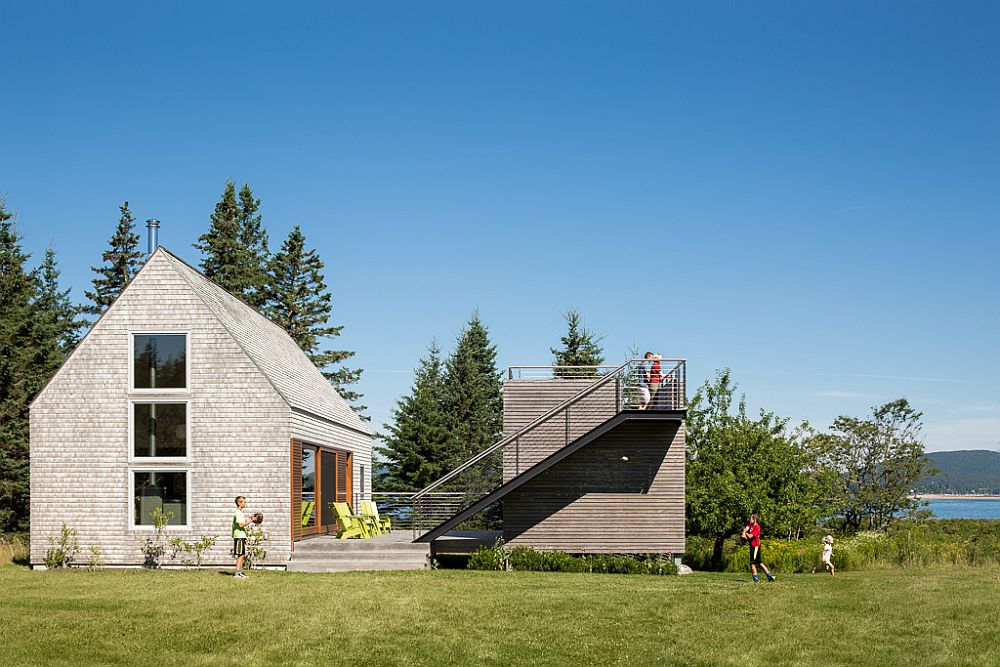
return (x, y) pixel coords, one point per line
(159, 430)
(159, 361)
(166, 490)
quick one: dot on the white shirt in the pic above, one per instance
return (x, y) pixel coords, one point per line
(827, 552)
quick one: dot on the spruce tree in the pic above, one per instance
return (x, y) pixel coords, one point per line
(297, 300)
(235, 246)
(473, 393)
(418, 440)
(580, 348)
(29, 354)
(122, 260)
(253, 239)
(56, 305)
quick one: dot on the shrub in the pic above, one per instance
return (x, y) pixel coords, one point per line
(526, 559)
(489, 558)
(968, 542)
(62, 550)
(14, 549)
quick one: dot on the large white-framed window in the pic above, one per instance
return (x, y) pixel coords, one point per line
(159, 362)
(159, 430)
(166, 489)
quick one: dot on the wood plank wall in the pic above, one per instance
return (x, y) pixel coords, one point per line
(596, 502)
(526, 400)
(593, 501)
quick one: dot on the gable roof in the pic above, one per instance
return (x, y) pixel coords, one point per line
(272, 350)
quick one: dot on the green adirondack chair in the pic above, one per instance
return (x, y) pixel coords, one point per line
(370, 518)
(348, 525)
(384, 523)
(307, 510)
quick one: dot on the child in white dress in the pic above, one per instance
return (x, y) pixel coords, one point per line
(828, 554)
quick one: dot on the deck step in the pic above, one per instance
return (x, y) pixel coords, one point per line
(353, 566)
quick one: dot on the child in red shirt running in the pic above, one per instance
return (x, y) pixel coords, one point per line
(752, 533)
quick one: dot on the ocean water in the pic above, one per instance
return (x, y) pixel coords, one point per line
(965, 509)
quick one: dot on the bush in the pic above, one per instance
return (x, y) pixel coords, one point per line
(14, 549)
(525, 559)
(63, 550)
(969, 542)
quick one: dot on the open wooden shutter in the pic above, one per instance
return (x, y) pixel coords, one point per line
(296, 490)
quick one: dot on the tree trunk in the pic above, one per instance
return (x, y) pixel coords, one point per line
(716, 564)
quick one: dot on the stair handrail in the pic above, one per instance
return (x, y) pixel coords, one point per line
(520, 432)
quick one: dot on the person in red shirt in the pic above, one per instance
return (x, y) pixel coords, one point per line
(752, 533)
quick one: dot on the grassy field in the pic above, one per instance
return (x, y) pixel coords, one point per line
(886, 617)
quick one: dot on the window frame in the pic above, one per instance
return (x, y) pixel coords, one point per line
(134, 527)
(132, 458)
(131, 362)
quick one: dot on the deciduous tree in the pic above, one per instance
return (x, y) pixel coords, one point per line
(737, 465)
(878, 461)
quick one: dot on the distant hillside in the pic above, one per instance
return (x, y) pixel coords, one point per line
(965, 471)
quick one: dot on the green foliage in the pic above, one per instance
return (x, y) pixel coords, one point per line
(63, 550)
(154, 547)
(55, 305)
(580, 347)
(234, 249)
(737, 465)
(963, 542)
(474, 401)
(31, 348)
(878, 461)
(95, 560)
(417, 442)
(191, 553)
(525, 559)
(122, 260)
(297, 299)
(256, 546)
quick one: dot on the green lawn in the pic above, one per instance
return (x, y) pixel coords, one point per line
(878, 617)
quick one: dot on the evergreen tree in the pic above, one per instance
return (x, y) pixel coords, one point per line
(297, 300)
(29, 354)
(122, 260)
(235, 246)
(253, 239)
(418, 440)
(473, 393)
(56, 305)
(580, 348)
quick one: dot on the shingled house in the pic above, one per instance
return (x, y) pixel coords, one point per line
(180, 398)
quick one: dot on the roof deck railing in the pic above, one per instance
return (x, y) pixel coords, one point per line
(638, 384)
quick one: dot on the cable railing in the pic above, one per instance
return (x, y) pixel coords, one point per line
(558, 372)
(639, 384)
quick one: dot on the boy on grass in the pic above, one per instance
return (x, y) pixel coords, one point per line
(240, 523)
(752, 533)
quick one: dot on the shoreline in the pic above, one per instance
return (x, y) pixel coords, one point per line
(947, 496)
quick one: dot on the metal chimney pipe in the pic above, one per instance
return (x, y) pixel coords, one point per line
(153, 226)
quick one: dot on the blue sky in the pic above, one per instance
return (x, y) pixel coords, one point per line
(805, 193)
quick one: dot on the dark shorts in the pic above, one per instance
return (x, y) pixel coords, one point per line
(239, 546)
(754, 555)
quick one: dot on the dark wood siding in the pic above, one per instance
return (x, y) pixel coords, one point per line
(596, 501)
(526, 400)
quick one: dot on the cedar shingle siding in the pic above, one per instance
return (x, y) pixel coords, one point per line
(251, 391)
